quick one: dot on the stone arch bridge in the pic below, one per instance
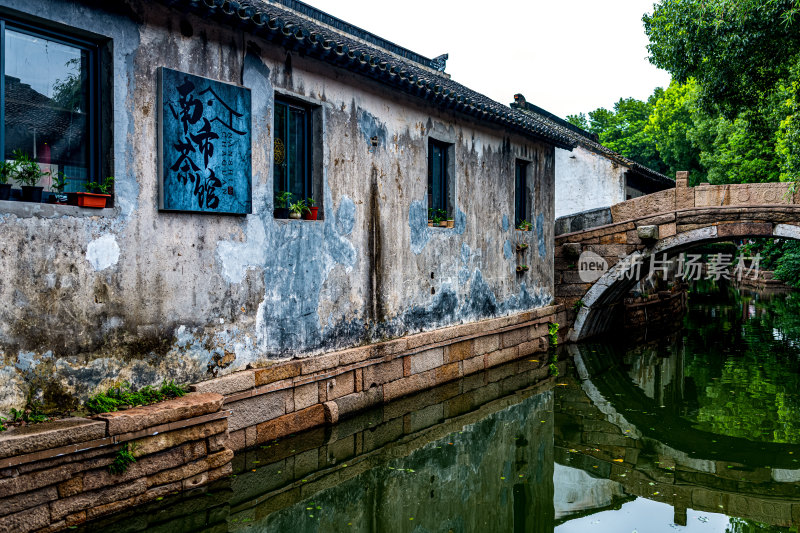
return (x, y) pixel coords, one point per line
(666, 222)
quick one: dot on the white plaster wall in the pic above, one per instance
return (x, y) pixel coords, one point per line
(586, 180)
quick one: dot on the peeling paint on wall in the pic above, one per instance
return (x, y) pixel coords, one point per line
(103, 252)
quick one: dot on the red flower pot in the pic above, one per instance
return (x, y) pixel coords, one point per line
(312, 215)
(90, 199)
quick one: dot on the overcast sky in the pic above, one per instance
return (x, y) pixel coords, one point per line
(565, 56)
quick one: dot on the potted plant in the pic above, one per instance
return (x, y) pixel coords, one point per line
(97, 194)
(282, 200)
(29, 173)
(7, 169)
(311, 210)
(451, 223)
(525, 226)
(442, 218)
(522, 246)
(58, 186)
(436, 217)
(522, 268)
(296, 209)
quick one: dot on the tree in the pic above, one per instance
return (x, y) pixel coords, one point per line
(672, 126)
(737, 50)
(623, 129)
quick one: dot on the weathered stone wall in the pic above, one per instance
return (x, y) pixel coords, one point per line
(586, 180)
(55, 475)
(131, 293)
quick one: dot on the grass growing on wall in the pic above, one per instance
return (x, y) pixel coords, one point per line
(114, 399)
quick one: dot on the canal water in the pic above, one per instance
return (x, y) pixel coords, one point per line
(698, 431)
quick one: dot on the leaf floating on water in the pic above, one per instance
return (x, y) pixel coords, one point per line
(502, 477)
(619, 460)
(651, 483)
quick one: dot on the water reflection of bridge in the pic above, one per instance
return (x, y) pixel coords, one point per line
(613, 428)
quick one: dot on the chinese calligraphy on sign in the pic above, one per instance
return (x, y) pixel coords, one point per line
(204, 152)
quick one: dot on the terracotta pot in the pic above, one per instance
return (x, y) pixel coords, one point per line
(93, 200)
(443, 224)
(451, 223)
(311, 214)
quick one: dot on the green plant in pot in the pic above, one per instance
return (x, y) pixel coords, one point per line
(7, 170)
(58, 186)
(282, 201)
(97, 193)
(28, 175)
(311, 210)
(296, 209)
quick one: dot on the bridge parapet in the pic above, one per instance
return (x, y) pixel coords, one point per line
(679, 198)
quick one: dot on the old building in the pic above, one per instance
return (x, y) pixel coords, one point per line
(207, 111)
(592, 176)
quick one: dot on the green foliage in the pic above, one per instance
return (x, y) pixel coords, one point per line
(113, 399)
(437, 215)
(553, 369)
(28, 172)
(525, 226)
(7, 170)
(737, 50)
(103, 187)
(579, 120)
(282, 199)
(31, 414)
(779, 255)
(299, 207)
(552, 333)
(672, 125)
(624, 130)
(59, 183)
(577, 306)
(124, 458)
(2, 424)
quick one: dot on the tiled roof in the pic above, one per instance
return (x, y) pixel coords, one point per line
(340, 44)
(587, 140)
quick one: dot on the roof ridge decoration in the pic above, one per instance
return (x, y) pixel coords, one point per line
(295, 32)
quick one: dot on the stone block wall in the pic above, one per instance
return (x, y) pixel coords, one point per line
(275, 482)
(272, 402)
(56, 474)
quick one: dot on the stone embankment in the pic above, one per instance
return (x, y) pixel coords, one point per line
(56, 474)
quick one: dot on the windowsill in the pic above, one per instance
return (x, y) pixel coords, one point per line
(42, 210)
(290, 220)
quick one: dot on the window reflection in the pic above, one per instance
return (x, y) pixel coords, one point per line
(46, 105)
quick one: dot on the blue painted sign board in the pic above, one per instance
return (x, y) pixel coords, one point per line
(204, 145)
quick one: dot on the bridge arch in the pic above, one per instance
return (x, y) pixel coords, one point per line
(602, 300)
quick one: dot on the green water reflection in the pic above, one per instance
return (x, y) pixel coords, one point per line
(694, 432)
(742, 356)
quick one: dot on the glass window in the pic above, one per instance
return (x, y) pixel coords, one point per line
(292, 151)
(520, 192)
(47, 108)
(440, 186)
